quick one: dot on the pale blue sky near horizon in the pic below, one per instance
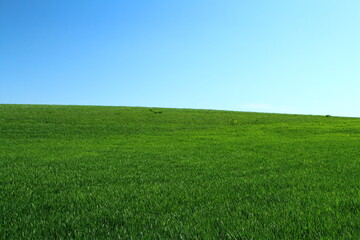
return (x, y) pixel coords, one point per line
(299, 57)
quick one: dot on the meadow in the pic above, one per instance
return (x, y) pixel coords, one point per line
(92, 172)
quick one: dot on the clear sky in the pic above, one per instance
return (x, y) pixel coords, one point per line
(287, 56)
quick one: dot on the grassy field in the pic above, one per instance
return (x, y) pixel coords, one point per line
(90, 172)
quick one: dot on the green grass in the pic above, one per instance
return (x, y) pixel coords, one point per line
(88, 172)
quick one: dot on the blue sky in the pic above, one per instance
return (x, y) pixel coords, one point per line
(266, 56)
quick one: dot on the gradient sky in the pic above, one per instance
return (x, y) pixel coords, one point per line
(284, 56)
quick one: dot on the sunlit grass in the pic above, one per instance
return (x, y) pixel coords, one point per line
(119, 172)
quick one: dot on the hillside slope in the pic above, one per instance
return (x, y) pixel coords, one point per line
(123, 172)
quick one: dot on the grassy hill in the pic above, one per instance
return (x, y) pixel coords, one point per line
(120, 172)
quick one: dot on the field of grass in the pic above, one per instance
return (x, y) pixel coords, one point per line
(119, 172)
